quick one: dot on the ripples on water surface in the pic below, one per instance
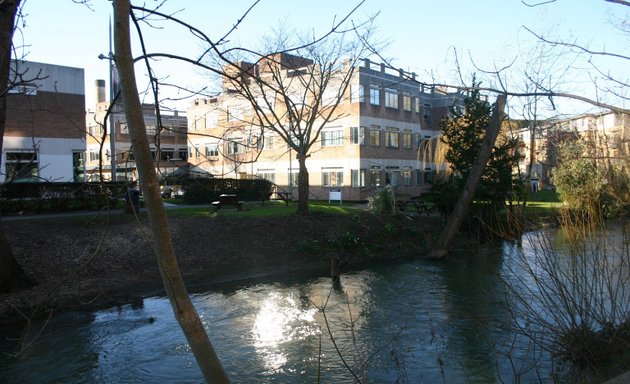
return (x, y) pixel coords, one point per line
(417, 322)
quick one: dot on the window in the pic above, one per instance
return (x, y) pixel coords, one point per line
(357, 135)
(124, 128)
(182, 154)
(332, 138)
(294, 179)
(212, 150)
(332, 177)
(197, 151)
(95, 129)
(406, 175)
(391, 138)
(407, 102)
(330, 96)
(151, 130)
(357, 93)
(407, 140)
(234, 113)
(211, 120)
(167, 154)
(391, 98)
(21, 164)
(375, 95)
(268, 142)
(267, 175)
(416, 104)
(392, 176)
(94, 155)
(427, 111)
(358, 177)
(375, 136)
(375, 177)
(235, 146)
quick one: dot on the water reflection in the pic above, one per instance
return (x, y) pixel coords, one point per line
(419, 322)
(281, 319)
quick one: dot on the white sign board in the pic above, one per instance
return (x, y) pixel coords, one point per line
(334, 194)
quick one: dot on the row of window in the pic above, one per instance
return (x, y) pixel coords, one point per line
(373, 136)
(165, 154)
(392, 99)
(374, 177)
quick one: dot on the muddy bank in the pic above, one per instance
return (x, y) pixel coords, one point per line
(86, 263)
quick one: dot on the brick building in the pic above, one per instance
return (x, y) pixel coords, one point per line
(386, 117)
(167, 141)
(44, 137)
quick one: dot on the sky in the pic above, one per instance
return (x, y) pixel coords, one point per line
(422, 35)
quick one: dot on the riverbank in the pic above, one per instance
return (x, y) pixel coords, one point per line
(88, 262)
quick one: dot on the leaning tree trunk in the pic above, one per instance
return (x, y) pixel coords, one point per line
(456, 218)
(12, 276)
(163, 247)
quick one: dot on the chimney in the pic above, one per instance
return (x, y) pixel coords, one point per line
(100, 91)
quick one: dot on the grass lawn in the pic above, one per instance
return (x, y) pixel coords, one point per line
(269, 208)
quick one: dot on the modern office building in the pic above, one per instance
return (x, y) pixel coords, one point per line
(386, 118)
(44, 138)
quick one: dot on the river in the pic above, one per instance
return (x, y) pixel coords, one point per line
(404, 321)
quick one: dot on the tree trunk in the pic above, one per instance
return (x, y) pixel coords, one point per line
(12, 276)
(303, 187)
(456, 218)
(162, 243)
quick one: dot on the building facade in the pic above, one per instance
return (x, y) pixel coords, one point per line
(44, 137)
(377, 139)
(606, 135)
(167, 141)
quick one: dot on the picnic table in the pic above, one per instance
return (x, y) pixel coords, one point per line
(418, 203)
(228, 199)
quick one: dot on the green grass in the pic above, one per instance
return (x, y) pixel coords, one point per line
(269, 208)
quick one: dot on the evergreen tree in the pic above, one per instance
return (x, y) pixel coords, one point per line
(463, 131)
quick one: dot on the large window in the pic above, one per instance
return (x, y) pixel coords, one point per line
(332, 177)
(211, 120)
(357, 135)
(406, 175)
(375, 177)
(267, 174)
(427, 111)
(407, 102)
(167, 154)
(21, 165)
(212, 150)
(357, 93)
(391, 98)
(332, 137)
(375, 95)
(95, 155)
(391, 136)
(235, 146)
(294, 177)
(375, 136)
(407, 140)
(358, 177)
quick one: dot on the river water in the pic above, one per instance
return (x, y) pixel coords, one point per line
(404, 321)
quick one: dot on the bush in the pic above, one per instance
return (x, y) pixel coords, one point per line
(207, 190)
(382, 202)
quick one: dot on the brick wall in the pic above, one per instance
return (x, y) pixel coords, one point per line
(46, 114)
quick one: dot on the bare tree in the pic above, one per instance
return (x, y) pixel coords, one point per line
(297, 95)
(162, 243)
(12, 276)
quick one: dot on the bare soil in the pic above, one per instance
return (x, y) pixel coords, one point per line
(85, 263)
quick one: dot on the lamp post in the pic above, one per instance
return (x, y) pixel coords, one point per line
(112, 128)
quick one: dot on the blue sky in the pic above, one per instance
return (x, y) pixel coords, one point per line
(422, 33)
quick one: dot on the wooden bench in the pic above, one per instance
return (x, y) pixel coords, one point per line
(228, 199)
